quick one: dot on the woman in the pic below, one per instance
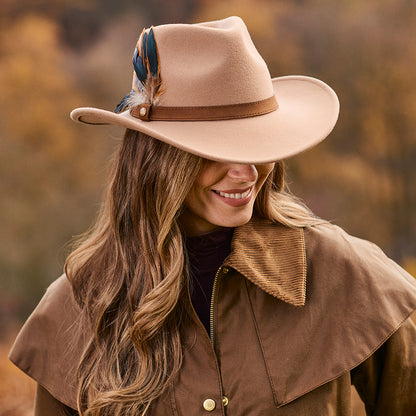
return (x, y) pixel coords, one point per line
(204, 287)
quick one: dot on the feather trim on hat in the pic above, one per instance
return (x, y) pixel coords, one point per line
(147, 82)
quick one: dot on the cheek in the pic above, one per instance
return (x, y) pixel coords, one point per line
(196, 199)
(200, 194)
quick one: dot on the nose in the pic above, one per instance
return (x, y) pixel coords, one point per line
(243, 173)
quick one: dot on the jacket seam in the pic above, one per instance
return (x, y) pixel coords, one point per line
(261, 346)
(214, 345)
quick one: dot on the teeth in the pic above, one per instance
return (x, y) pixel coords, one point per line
(234, 196)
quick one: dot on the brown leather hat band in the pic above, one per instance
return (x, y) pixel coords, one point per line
(147, 112)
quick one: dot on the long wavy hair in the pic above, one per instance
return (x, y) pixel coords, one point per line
(129, 274)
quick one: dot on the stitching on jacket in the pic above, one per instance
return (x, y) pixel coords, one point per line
(269, 376)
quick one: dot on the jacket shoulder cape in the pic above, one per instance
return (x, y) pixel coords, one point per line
(350, 298)
(45, 348)
(341, 299)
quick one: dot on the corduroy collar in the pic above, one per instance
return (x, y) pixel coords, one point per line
(272, 257)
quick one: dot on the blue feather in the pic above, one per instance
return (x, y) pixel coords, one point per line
(151, 53)
(144, 45)
(139, 67)
(123, 103)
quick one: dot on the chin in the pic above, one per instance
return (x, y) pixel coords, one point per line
(235, 221)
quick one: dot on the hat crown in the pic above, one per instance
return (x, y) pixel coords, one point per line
(207, 64)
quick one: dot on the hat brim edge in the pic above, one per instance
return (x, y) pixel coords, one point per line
(308, 111)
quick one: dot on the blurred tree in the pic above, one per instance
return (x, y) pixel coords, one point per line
(47, 168)
(367, 58)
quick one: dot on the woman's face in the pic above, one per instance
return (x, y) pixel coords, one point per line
(223, 195)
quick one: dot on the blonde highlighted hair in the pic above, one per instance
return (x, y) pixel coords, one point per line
(129, 275)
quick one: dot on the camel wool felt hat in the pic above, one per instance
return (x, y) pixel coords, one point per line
(205, 89)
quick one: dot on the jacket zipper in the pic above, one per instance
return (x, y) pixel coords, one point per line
(212, 319)
(211, 312)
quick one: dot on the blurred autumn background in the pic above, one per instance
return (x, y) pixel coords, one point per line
(57, 55)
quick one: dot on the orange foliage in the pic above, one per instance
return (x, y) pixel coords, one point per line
(47, 168)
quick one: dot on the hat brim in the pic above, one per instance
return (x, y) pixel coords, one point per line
(307, 113)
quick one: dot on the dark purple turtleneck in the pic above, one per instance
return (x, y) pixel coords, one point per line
(206, 254)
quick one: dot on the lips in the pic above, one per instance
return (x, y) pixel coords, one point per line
(235, 197)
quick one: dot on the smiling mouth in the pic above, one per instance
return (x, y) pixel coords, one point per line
(234, 195)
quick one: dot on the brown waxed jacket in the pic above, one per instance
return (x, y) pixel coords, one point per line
(298, 316)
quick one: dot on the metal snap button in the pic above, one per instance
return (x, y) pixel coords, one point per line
(225, 270)
(225, 401)
(143, 111)
(209, 405)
